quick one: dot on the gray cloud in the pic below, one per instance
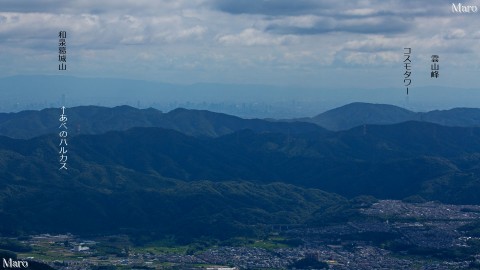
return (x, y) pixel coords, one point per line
(379, 25)
(96, 7)
(273, 8)
(33, 6)
(363, 17)
(338, 9)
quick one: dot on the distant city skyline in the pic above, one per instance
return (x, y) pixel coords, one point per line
(304, 43)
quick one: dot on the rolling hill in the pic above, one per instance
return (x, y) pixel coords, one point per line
(391, 161)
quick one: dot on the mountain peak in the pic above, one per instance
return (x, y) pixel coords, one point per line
(358, 113)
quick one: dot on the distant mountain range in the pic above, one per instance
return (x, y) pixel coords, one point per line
(194, 173)
(356, 114)
(201, 123)
(97, 120)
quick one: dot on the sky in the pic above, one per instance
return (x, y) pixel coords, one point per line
(304, 43)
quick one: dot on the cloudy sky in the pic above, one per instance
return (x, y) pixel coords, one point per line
(308, 43)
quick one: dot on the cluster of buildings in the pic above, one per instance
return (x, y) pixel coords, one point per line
(358, 245)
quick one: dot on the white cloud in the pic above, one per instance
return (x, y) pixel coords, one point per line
(253, 37)
(196, 31)
(456, 34)
(374, 43)
(360, 12)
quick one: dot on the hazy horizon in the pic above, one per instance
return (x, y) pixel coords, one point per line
(244, 100)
